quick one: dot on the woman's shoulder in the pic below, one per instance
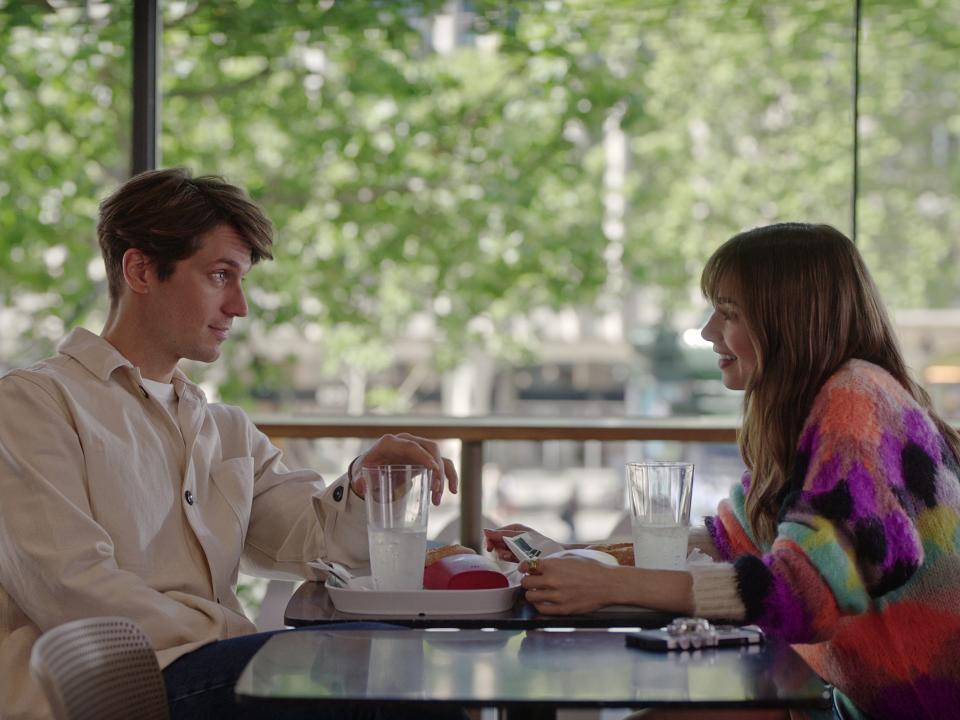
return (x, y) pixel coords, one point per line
(861, 382)
(862, 399)
(864, 377)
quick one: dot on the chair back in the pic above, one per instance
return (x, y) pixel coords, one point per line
(100, 668)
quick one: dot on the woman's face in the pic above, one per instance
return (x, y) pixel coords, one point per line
(731, 340)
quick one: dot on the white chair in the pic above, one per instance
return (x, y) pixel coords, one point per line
(100, 668)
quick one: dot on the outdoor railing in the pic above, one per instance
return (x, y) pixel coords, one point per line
(474, 431)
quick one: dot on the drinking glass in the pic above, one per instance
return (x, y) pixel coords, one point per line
(397, 500)
(660, 494)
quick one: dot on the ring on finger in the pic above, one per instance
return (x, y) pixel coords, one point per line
(533, 566)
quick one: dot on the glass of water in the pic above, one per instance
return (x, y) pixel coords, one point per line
(397, 500)
(659, 494)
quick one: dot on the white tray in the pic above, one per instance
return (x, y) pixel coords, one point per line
(364, 600)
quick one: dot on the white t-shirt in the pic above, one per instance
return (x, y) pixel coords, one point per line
(166, 394)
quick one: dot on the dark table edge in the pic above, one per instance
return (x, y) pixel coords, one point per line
(478, 623)
(821, 703)
(598, 620)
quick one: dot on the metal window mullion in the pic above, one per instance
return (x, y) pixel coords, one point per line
(146, 100)
(855, 187)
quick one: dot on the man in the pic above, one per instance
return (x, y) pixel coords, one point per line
(125, 493)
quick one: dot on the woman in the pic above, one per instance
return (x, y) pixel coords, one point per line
(843, 536)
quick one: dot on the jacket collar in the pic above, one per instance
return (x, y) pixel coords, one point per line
(101, 358)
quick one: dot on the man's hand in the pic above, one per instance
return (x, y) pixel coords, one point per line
(406, 449)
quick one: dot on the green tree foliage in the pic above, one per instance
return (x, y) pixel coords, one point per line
(402, 181)
(466, 187)
(910, 137)
(64, 139)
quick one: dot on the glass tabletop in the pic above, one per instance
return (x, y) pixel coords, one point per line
(505, 668)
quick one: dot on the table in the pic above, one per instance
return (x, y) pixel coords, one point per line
(526, 673)
(311, 605)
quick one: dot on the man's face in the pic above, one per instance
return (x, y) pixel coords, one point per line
(193, 308)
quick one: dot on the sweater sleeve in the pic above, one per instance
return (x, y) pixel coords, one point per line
(728, 529)
(867, 465)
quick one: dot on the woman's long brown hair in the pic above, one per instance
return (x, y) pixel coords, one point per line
(809, 305)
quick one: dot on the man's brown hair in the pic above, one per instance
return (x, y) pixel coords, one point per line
(165, 213)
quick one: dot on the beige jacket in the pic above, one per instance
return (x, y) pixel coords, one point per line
(106, 508)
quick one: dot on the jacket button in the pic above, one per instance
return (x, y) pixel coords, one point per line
(188, 496)
(338, 494)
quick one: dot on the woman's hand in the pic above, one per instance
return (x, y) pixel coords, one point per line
(570, 585)
(494, 539)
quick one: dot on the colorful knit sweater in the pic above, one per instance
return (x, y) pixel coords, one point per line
(864, 574)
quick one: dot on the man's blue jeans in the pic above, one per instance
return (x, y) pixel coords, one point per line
(200, 685)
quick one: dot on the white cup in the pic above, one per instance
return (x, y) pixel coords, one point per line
(659, 495)
(397, 500)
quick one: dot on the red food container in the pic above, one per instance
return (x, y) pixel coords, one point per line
(463, 572)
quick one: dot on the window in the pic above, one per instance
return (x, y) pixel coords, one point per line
(64, 143)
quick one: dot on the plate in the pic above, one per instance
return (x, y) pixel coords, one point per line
(364, 600)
